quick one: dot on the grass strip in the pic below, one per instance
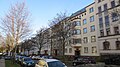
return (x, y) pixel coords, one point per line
(9, 63)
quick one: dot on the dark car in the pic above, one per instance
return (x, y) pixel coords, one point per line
(84, 60)
(17, 58)
(78, 61)
(20, 59)
(7, 57)
(27, 62)
(112, 61)
(89, 60)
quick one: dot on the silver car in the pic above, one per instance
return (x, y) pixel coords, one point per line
(50, 63)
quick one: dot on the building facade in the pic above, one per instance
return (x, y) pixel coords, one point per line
(82, 40)
(108, 19)
(92, 31)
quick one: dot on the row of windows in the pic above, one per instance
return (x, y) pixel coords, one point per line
(70, 50)
(94, 49)
(78, 31)
(115, 17)
(108, 31)
(106, 45)
(78, 23)
(85, 40)
(106, 7)
(90, 11)
(107, 22)
(100, 1)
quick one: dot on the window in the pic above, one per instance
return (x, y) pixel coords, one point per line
(76, 41)
(99, 1)
(91, 18)
(108, 31)
(115, 17)
(84, 21)
(84, 30)
(101, 32)
(70, 50)
(118, 45)
(105, 6)
(101, 22)
(112, 4)
(99, 9)
(106, 45)
(69, 41)
(65, 50)
(94, 49)
(85, 40)
(93, 38)
(77, 23)
(107, 23)
(116, 30)
(91, 10)
(85, 49)
(76, 32)
(92, 28)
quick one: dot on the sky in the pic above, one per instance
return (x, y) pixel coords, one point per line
(44, 10)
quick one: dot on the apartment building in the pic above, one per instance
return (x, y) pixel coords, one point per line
(58, 38)
(92, 31)
(108, 19)
(82, 40)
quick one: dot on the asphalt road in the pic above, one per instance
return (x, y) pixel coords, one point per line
(96, 65)
(2, 63)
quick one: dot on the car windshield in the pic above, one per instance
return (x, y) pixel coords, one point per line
(27, 59)
(55, 64)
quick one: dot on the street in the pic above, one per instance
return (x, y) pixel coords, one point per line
(95, 65)
(2, 63)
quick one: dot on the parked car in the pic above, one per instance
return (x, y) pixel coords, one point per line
(47, 57)
(84, 60)
(112, 61)
(16, 58)
(20, 59)
(7, 57)
(89, 60)
(26, 62)
(50, 63)
(36, 57)
(78, 61)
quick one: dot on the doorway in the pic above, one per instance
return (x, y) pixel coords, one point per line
(77, 53)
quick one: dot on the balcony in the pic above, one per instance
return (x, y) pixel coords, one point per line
(76, 45)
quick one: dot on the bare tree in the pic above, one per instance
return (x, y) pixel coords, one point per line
(8, 43)
(16, 23)
(1, 49)
(59, 33)
(28, 45)
(40, 39)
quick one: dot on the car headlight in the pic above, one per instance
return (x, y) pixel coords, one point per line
(32, 62)
(24, 63)
(65, 66)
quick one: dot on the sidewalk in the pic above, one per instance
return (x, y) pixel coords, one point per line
(2, 63)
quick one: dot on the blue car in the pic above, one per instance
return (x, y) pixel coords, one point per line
(27, 62)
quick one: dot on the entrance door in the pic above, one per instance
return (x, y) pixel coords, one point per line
(55, 52)
(77, 54)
